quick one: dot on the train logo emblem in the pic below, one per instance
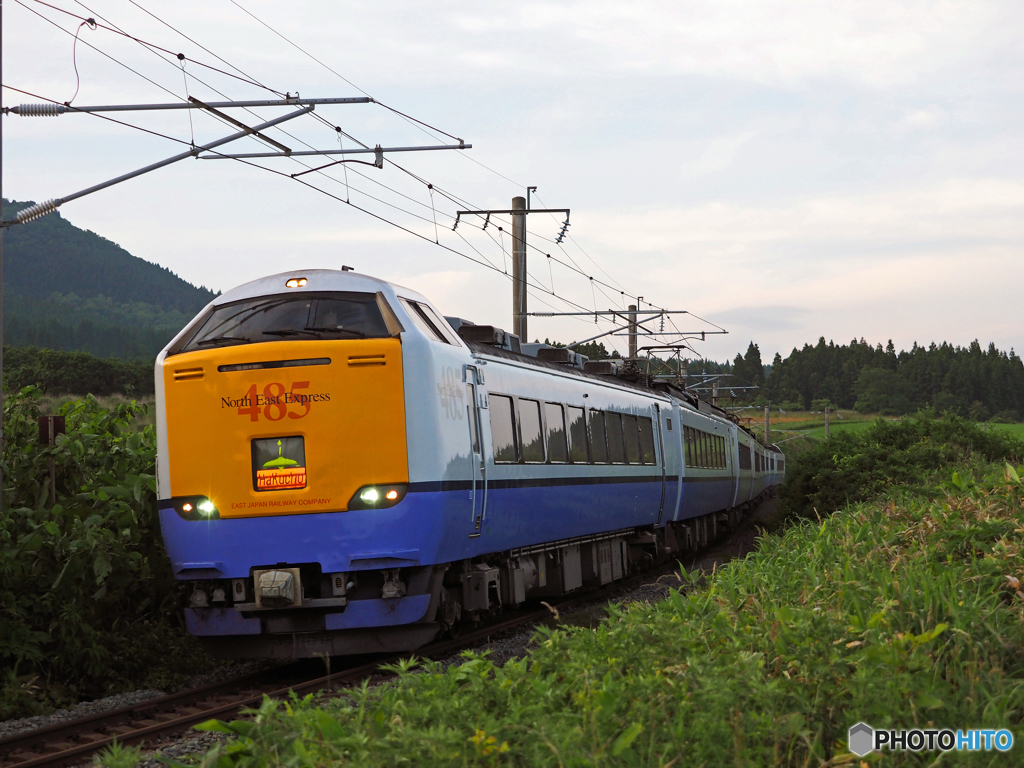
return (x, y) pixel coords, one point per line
(453, 398)
(280, 463)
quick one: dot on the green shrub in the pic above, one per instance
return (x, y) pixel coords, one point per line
(88, 600)
(854, 466)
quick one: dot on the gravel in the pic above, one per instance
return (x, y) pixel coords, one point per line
(11, 727)
(85, 708)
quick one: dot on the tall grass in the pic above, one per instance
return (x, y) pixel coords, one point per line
(905, 611)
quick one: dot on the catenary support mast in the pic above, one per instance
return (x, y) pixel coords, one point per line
(519, 268)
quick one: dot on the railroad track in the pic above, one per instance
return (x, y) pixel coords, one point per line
(75, 741)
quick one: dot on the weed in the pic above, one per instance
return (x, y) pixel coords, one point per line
(118, 756)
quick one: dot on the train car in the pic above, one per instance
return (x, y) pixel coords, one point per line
(343, 470)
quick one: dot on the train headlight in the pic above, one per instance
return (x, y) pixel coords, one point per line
(295, 282)
(377, 496)
(195, 508)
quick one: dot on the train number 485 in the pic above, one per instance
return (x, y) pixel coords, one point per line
(275, 400)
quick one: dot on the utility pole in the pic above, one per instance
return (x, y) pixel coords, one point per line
(519, 268)
(1, 271)
(826, 422)
(632, 331)
(714, 392)
(520, 207)
(767, 423)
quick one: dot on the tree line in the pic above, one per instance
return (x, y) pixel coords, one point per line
(972, 381)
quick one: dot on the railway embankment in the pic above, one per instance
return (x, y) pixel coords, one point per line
(892, 597)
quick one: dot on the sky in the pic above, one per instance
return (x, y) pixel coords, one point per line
(781, 170)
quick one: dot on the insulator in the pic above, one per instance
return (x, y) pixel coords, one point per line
(41, 110)
(36, 211)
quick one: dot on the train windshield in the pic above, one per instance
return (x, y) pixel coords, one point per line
(342, 315)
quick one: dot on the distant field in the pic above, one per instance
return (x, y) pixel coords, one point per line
(811, 426)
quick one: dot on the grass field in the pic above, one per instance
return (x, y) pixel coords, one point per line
(800, 428)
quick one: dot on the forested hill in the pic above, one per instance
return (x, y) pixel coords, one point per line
(69, 288)
(976, 382)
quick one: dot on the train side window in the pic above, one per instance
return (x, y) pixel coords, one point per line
(668, 424)
(744, 456)
(598, 441)
(631, 432)
(440, 323)
(647, 440)
(616, 448)
(688, 434)
(702, 448)
(578, 436)
(423, 321)
(529, 430)
(558, 449)
(721, 452)
(503, 430)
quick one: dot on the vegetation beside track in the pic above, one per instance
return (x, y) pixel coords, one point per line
(88, 603)
(904, 610)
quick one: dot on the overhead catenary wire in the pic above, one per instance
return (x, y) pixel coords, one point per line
(578, 269)
(483, 263)
(537, 286)
(345, 79)
(148, 44)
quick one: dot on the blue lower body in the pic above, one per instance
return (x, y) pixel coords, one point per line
(429, 527)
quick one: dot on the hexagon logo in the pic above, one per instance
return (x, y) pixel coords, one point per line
(860, 739)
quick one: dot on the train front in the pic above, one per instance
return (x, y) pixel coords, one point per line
(280, 406)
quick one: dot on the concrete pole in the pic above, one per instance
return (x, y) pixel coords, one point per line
(767, 424)
(632, 331)
(1, 279)
(519, 269)
(826, 422)
(714, 393)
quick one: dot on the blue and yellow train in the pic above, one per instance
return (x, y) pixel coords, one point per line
(344, 470)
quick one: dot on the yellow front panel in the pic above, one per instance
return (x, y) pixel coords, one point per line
(350, 415)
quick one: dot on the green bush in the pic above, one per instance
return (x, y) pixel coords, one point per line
(57, 372)
(903, 613)
(854, 466)
(88, 600)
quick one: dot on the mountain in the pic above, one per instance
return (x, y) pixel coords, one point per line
(69, 288)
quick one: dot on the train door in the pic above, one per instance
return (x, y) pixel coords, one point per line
(661, 454)
(476, 402)
(734, 452)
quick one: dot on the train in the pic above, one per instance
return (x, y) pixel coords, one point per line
(342, 469)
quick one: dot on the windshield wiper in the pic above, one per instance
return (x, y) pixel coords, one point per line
(290, 332)
(327, 329)
(218, 339)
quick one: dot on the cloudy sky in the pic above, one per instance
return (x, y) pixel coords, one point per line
(786, 170)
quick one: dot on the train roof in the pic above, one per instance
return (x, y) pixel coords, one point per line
(316, 280)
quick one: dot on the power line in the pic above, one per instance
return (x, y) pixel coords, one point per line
(345, 79)
(247, 78)
(151, 45)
